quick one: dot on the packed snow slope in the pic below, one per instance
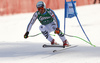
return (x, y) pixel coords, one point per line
(15, 49)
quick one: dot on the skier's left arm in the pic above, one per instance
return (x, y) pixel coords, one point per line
(55, 18)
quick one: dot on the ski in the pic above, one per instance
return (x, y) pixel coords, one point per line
(59, 46)
(72, 46)
(45, 46)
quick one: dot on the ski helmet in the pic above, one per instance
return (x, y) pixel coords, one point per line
(41, 4)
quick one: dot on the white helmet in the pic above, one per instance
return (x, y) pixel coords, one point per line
(40, 4)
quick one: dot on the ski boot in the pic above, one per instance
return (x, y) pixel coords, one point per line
(53, 42)
(65, 44)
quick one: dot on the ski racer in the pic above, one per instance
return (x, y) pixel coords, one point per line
(49, 22)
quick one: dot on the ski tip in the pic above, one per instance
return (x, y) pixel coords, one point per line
(44, 45)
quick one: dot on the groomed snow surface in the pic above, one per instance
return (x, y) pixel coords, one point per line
(15, 49)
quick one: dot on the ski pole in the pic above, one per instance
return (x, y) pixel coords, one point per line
(80, 38)
(68, 36)
(34, 35)
(38, 34)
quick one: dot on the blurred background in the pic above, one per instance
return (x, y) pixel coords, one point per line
(26, 6)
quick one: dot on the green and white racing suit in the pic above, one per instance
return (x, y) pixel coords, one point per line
(49, 23)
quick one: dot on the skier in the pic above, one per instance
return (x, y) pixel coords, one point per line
(49, 22)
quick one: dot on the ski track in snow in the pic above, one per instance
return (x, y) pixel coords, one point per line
(15, 49)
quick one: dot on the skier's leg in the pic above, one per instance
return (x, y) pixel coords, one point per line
(45, 31)
(62, 37)
(64, 40)
(53, 27)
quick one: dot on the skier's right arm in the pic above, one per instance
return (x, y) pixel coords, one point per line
(32, 21)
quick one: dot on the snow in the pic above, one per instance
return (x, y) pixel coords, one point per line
(15, 49)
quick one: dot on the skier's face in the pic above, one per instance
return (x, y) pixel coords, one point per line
(41, 10)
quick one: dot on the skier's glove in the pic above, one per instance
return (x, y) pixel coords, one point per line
(57, 31)
(26, 35)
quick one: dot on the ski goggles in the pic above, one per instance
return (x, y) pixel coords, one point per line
(41, 8)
